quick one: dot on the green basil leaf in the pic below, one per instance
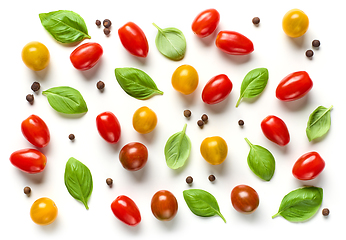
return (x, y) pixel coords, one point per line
(319, 123)
(136, 83)
(253, 84)
(177, 149)
(78, 181)
(66, 100)
(202, 203)
(300, 204)
(65, 26)
(171, 43)
(261, 161)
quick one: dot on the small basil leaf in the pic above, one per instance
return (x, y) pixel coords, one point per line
(253, 84)
(300, 204)
(66, 100)
(319, 123)
(171, 43)
(261, 161)
(78, 181)
(202, 203)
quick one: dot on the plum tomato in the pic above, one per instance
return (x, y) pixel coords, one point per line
(134, 40)
(36, 131)
(29, 160)
(185, 79)
(214, 150)
(144, 120)
(294, 86)
(275, 130)
(164, 205)
(108, 127)
(308, 166)
(86, 56)
(233, 43)
(217, 89)
(206, 22)
(126, 210)
(35, 56)
(133, 156)
(295, 23)
(43, 211)
(244, 199)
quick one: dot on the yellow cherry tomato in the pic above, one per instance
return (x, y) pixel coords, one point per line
(185, 79)
(295, 23)
(144, 120)
(214, 150)
(43, 211)
(35, 55)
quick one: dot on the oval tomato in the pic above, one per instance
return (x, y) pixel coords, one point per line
(29, 160)
(126, 210)
(133, 156)
(36, 131)
(275, 130)
(294, 86)
(233, 43)
(244, 199)
(205, 23)
(214, 150)
(164, 205)
(86, 56)
(217, 89)
(308, 166)
(108, 127)
(133, 39)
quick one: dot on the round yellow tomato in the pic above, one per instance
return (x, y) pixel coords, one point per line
(185, 79)
(144, 120)
(295, 23)
(214, 150)
(35, 55)
(43, 211)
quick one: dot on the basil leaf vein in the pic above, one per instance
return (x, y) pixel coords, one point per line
(319, 123)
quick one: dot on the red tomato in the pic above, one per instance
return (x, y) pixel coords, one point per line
(86, 56)
(205, 23)
(133, 156)
(294, 86)
(244, 199)
(29, 160)
(308, 166)
(275, 130)
(36, 131)
(217, 89)
(126, 210)
(133, 39)
(164, 205)
(108, 127)
(233, 43)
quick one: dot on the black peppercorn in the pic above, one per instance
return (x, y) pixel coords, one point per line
(309, 53)
(211, 178)
(71, 136)
(107, 23)
(204, 118)
(325, 212)
(100, 85)
(200, 123)
(189, 180)
(27, 190)
(187, 113)
(35, 86)
(30, 98)
(241, 123)
(106, 31)
(316, 43)
(109, 181)
(98, 23)
(256, 20)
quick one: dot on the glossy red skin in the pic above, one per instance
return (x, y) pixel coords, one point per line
(134, 40)
(205, 23)
(244, 199)
(36, 131)
(126, 210)
(29, 160)
(294, 86)
(234, 43)
(108, 127)
(308, 166)
(86, 56)
(217, 89)
(133, 156)
(164, 205)
(275, 130)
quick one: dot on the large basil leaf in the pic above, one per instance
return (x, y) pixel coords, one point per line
(319, 123)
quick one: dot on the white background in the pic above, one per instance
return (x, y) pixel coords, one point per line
(273, 50)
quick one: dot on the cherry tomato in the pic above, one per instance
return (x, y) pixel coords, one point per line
(29, 160)
(205, 23)
(244, 199)
(86, 56)
(133, 156)
(217, 89)
(308, 166)
(126, 210)
(233, 43)
(144, 120)
(275, 130)
(43, 211)
(294, 86)
(108, 127)
(185, 79)
(295, 23)
(36, 56)
(214, 150)
(133, 39)
(164, 205)
(36, 131)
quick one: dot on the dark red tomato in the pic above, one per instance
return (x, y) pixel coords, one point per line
(36, 131)
(217, 89)
(133, 39)
(233, 43)
(164, 205)
(133, 156)
(244, 199)
(126, 210)
(308, 166)
(205, 23)
(29, 160)
(294, 86)
(108, 127)
(86, 56)
(275, 130)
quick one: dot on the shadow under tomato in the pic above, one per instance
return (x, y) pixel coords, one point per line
(297, 104)
(41, 75)
(313, 182)
(220, 168)
(218, 107)
(51, 227)
(298, 42)
(188, 99)
(235, 59)
(91, 73)
(209, 40)
(147, 138)
(140, 174)
(35, 177)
